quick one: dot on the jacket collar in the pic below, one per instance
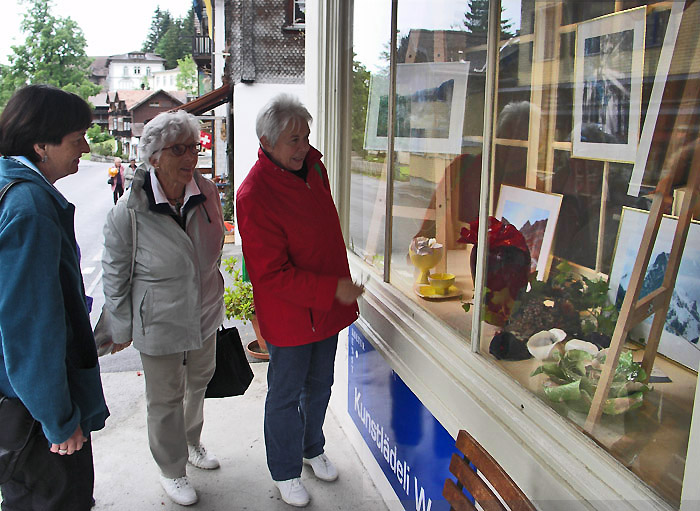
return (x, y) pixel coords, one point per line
(139, 200)
(313, 156)
(12, 168)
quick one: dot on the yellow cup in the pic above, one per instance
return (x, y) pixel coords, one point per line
(441, 282)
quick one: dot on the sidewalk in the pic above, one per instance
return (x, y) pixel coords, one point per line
(126, 477)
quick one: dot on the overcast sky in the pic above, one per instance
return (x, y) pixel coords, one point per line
(110, 28)
(373, 19)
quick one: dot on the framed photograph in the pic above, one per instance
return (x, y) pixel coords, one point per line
(655, 100)
(535, 215)
(679, 340)
(430, 99)
(608, 70)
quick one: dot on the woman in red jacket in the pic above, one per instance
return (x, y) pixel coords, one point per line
(297, 261)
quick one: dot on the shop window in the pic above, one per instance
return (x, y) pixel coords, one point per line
(566, 201)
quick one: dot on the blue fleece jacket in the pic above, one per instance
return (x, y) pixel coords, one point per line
(49, 360)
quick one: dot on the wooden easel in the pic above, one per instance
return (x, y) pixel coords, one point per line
(635, 310)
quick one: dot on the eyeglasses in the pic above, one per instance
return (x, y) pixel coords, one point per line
(179, 149)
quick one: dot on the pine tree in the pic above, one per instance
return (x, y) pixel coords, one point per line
(160, 24)
(176, 43)
(476, 19)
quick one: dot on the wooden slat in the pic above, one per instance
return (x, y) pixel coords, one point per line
(623, 322)
(456, 498)
(475, 485)
(650, 304)
(494, 473)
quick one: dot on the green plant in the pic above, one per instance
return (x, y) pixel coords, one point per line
(103, 148)
(228, 203)
(238, 298)
(573, 379)
(570, 295)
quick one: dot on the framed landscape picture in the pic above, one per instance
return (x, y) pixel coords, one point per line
(608, 68)
(430, 99)
(679, 340)
(535, 215)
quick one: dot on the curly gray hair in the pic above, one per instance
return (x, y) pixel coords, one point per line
(277, 114)
(164, 129)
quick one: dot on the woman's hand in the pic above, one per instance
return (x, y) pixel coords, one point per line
(347, 291)
(116, 348)
(74, 443)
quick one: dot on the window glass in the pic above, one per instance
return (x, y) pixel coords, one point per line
(583, 89)
(368, 164)
(299, 12)
(571, 107)
(440, 82)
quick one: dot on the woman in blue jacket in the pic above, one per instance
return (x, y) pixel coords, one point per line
(49, 364)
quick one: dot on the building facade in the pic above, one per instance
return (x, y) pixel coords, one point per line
(567, 120)
(132, 71)
(130, 110)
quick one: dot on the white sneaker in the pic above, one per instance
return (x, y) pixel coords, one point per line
(293, 492)
(199, 457)
(179, 490)
(323, 468)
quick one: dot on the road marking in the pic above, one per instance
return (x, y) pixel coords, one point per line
(88, 270)
(92, 287)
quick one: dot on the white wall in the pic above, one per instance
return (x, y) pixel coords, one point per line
(220, 112)
(247, 102)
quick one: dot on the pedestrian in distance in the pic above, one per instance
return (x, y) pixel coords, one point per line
(297, 261)
(49, 374)
(173, 304)
(129, 174)
(116, 179)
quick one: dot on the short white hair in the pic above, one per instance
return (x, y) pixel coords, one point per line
(276, 116)
(164, 129)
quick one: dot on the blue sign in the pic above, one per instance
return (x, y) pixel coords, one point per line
(410, 445)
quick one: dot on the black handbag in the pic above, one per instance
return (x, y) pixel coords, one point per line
(110, 181)
(233, 374)
(17, 435)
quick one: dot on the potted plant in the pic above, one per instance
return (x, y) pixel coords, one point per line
(238, 302)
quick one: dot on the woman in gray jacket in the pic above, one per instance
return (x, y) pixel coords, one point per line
(172, 305)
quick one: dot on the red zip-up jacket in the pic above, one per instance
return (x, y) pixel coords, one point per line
(294, 252)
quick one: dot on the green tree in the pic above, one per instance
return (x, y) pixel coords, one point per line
(96, 135)
(160, 23)
(360, 96)
(53, 53)
(177, 40)
(187, 75)
(477, 17)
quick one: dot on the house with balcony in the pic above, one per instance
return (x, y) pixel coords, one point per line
(130, 110)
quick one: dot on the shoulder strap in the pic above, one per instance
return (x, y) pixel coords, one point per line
(8, 186)
(132, 214)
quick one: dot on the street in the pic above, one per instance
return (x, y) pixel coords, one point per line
(92, 196)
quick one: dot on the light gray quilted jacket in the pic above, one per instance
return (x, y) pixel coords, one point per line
(175, 299)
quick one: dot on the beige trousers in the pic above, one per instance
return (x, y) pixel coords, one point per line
(175, 403)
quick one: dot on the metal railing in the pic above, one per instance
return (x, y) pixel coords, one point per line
(201, 45)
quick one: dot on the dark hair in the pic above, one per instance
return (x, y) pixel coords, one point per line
(38, 114)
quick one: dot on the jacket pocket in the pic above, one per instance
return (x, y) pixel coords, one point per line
(311, 318)
(143, 311)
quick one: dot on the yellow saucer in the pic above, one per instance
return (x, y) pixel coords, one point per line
(430, 293)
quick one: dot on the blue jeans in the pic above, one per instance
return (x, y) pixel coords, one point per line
(299, 380)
